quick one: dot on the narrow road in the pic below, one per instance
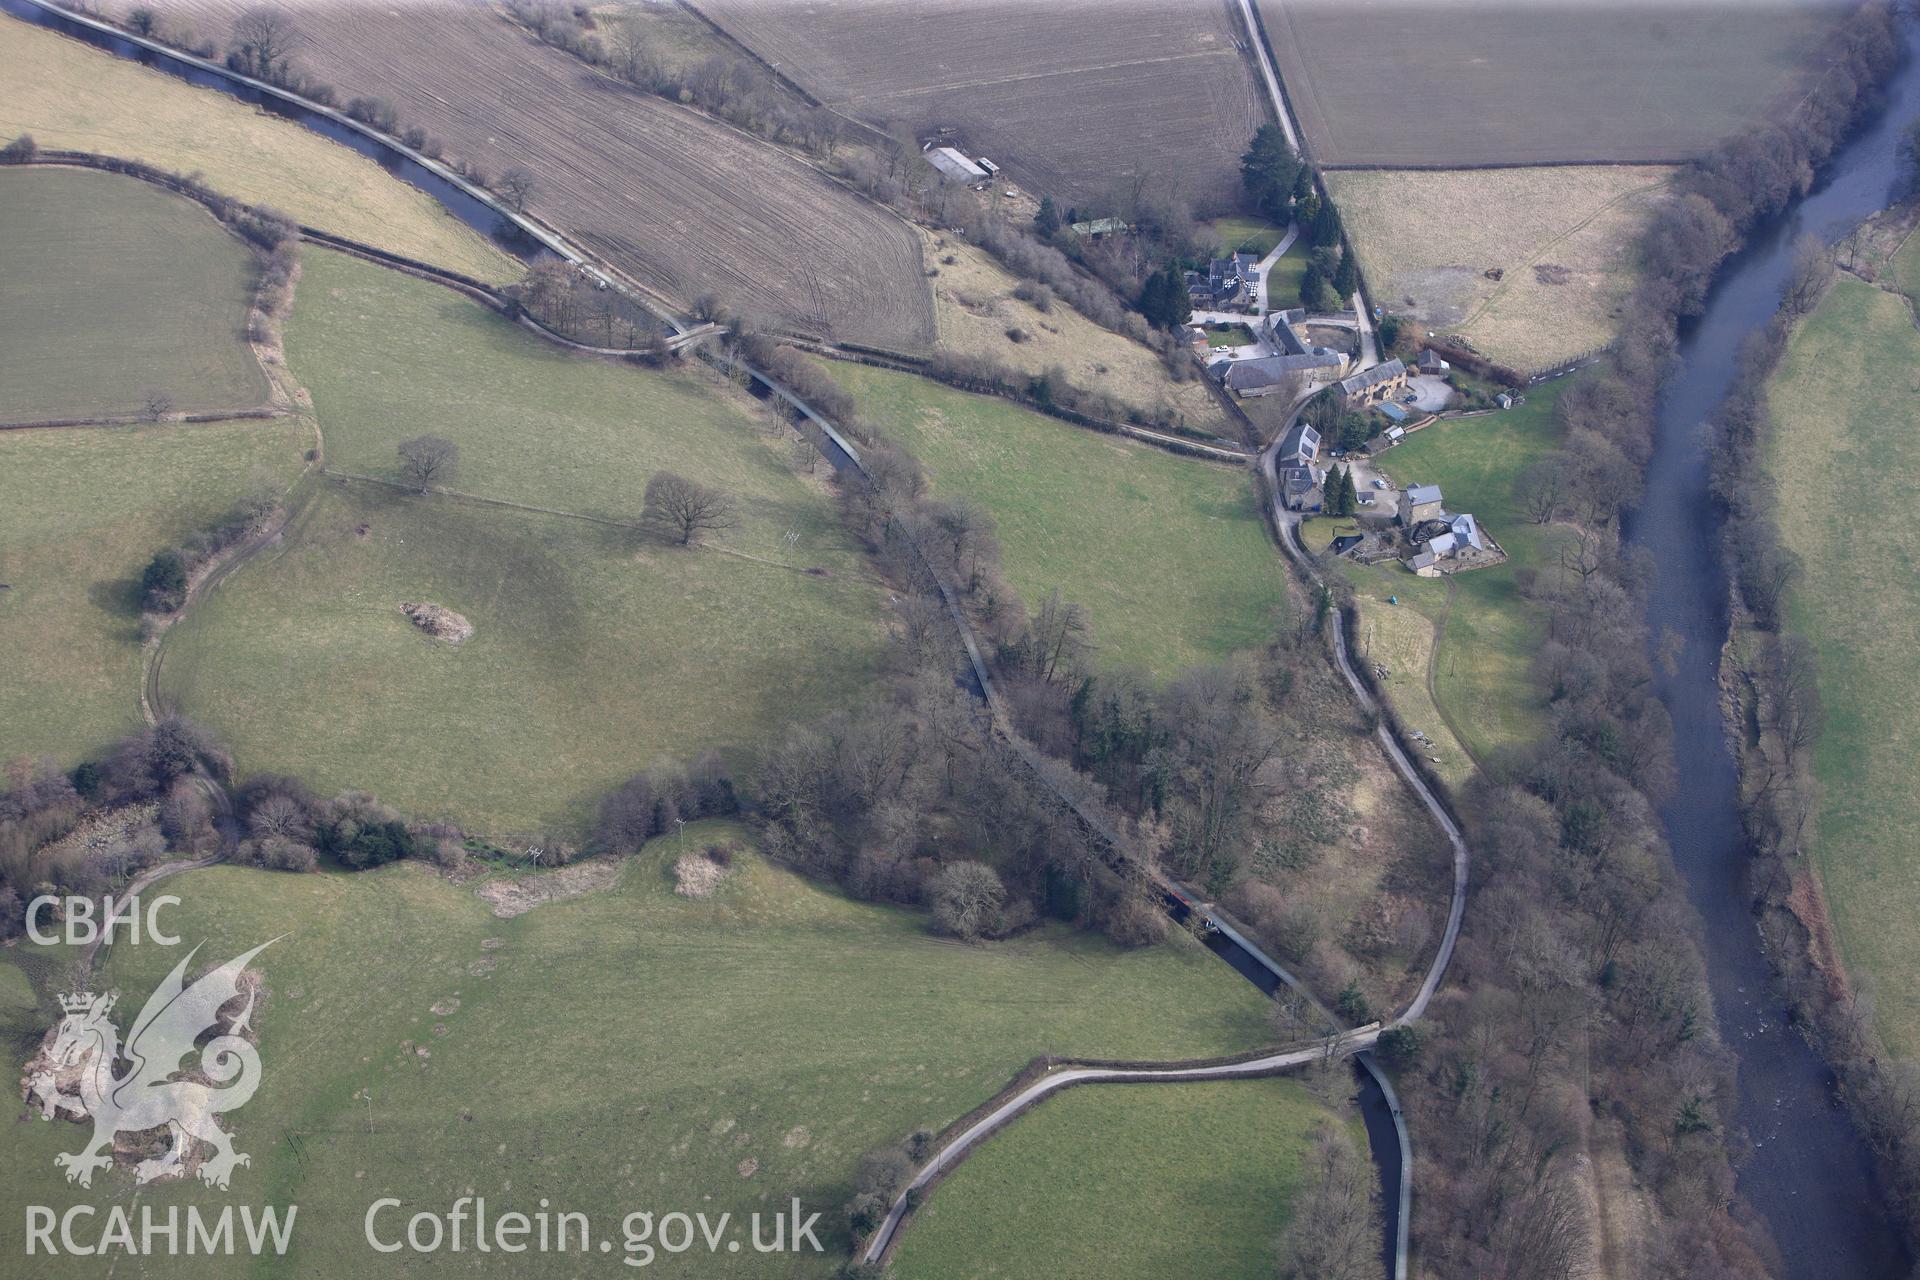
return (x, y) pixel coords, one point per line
(1267, 75)
(1288, 523)
(1358, 1041)
(154, 875)
(1369, 349)
(1340, 1046)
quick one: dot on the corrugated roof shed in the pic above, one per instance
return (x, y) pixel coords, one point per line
(954, 165)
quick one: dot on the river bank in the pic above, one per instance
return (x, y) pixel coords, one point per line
(1806, 1170)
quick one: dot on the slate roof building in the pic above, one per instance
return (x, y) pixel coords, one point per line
(1300, 446)
(1300, 488)
(1264, 375)
(1227, 282)
(1419, 502)
(1370, 386)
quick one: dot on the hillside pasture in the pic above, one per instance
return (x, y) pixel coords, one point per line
(974, 303)
(626, 1049)
(1473, 82)
(598, 648)
(1844, 458)
(1167, 554)
(82, 510)
(113, 290)
(1563, 240)
(1075, 100)
(70, 95)
(681, 203)
(1126, 1182)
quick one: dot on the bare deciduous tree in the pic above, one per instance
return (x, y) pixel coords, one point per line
(1059, 637)
(1335, 1230)
(264, 40)
(966, 897)
(158, 405)
(428, 460)
(684, 509)
(517, 186)
(1542, 488)
(1811, 272)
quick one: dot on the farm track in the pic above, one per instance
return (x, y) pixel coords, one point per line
(1070, 107)
(1350, 1042)
(683, 204)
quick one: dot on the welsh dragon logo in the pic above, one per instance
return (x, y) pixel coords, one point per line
(145, 1096)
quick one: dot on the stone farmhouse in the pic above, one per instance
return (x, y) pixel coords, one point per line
(1371, 386)
(1300, 474)
(1418, 504)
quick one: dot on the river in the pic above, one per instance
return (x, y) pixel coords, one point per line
(1808, 1174)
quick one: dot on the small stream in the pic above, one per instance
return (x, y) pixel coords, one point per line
(1808, 1174)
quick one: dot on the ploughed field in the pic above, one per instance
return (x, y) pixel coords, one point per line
(1076, 100)
(113, 290)
(684, 205)
(624, 1050)
(72, 96)
(1473, 82)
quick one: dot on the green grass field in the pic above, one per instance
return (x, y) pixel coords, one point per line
(82, 510)
(1906, 266)
(1167, 554)
(1845, 458)
(1246, 234)
(626, 1050)
(1228, 335)
(115, 289)
(1486, 633)
(1112, 1183)
(598, 649)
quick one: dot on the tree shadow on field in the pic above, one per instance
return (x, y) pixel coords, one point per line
(119, 598)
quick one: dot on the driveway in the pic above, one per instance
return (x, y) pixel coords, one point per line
(1431, 392)
(1266, 264)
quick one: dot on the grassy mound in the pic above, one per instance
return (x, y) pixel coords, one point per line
(597, 647)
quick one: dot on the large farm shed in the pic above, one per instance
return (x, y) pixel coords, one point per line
(681, 203)
(1074, 99)
(1449, 83)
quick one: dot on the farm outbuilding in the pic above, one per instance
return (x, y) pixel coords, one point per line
(954, 166)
